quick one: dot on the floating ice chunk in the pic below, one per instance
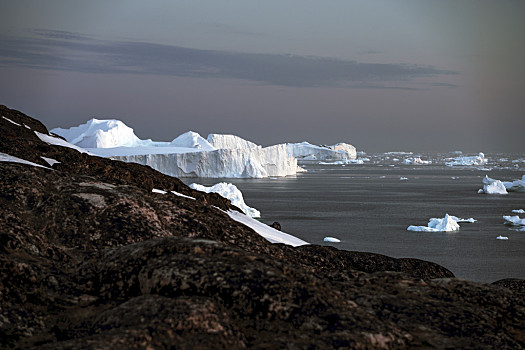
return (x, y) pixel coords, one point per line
(469, 220)
(515, 186)
(467, 161)
(514, 220)
(231, 192)
(502, 237)
(403, 178)
(269, 233)
(491, 186)
(331, 239)
(446, 224)
(12, 159)
(519, 211)
(192, 139)
(416, 161)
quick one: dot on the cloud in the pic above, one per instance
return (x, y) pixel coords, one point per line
(59, 50)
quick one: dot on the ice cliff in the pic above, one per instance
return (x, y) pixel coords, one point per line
(188, 155)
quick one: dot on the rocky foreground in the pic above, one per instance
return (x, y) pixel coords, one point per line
(90, 258)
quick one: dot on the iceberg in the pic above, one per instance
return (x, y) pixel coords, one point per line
(514, 220)
(306, 151)
(467, 161)
(231, 192)
(331, 239)
(493, 186)
(416, 161)
(188, 155)
(502, 237)
(519, 211)
(447, 224)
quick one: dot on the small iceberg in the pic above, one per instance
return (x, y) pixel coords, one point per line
(519, 211)
(467, 161)
(447, 224)
(514, 220)
(331, 239)
(492, 186)
(502, 237)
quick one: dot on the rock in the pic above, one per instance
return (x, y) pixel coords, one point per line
(276, 225)
(91, 258)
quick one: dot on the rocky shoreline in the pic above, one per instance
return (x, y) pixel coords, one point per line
(92, 258)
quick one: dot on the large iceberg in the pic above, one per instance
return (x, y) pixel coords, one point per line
(307, 151)
(188, 155)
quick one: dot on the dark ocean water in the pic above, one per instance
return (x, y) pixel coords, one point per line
(368, 207)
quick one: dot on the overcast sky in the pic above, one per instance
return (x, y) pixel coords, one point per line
(383, 75)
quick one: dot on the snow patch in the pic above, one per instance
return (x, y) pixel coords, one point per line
(51, 140)
(331, 239)
(12, 122)
(12, 159)
(50, 161)
(269, 233)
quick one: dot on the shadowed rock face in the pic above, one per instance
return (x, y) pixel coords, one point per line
(91, 258)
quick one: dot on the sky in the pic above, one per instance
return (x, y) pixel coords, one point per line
(406, 75)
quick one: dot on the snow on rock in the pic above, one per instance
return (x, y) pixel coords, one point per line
(269, 233)
(331, 239)
(12, 159)
(307, 151)
(231, 192)
(220, 141)
(192, 139)
(446, 224)
(514, 220)
(50, 161)
(51, 140)
(467, 161)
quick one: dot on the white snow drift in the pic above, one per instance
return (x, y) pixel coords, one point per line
(188, 155)
(447, 224)
(231, 192)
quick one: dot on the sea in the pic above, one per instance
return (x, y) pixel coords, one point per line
(369, 206)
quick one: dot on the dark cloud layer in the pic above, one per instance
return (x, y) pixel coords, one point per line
(59, 50)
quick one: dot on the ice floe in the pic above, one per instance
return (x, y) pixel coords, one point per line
(447, 224)
(493, 186)
(502, 237)
(514, 220)
(519, 211)
(231, 192)
(467, 161)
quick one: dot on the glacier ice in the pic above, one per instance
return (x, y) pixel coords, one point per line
(306, 151)
(231, 192)
(188, 155)
(105, 133)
